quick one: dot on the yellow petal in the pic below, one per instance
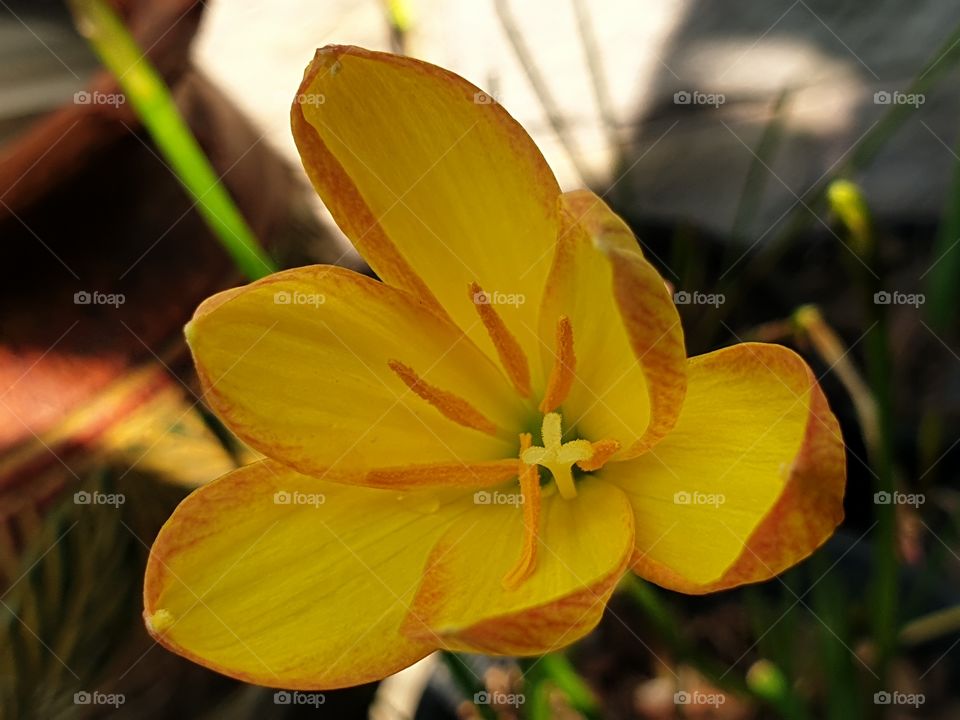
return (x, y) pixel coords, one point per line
(630, 358)
(530, 494)
(585, 546)
(749, 482)
(302, 366)
(283, 580)
(436, 188)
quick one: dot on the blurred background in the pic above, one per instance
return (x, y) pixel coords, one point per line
(792, 169)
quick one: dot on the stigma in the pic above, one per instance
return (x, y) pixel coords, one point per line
(557, 456)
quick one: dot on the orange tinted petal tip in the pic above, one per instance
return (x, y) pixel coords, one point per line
(324, 58)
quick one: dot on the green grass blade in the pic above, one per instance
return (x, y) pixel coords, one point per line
(151, 99)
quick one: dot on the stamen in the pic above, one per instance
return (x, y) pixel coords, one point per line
(530, 487)
(561, 377)
(603, 450)
(452, 407)
(508, 349)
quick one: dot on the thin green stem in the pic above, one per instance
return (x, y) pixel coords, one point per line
(811, 204)
(601, 94)
(885, 543)
(556, 670)
(758, 176)
(833, 628)
(784, 700)
(810, 323)
(852, 211)
(468, 682)
(540, 88)
(399, 19)
(942, 284)
(151, 99)
(928, 627)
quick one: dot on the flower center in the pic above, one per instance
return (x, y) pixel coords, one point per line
(557, 456)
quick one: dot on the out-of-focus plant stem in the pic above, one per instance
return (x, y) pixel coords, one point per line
(941, 61)
(812, 203)
(831, 348)
(943, 293)
(833, 626)
(778, 695)
(885, 595)
(757, 178)
(540, 88)
(748, 205)
(593, 54)
(928, 627)
(942, 284)
(556, 670)
(400, 20)
(467, 680)
(151, 99)
(851, 209)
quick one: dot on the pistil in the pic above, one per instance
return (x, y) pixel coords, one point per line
(557, 456)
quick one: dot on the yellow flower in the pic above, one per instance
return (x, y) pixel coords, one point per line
(471, 453)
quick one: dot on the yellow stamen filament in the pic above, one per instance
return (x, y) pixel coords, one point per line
(452, 407)
(603, 450)
(561, 377)
(558, 456)
(530, 487)
(511, 354)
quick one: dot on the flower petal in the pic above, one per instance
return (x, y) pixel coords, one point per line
(749, 482)
(585, 546)
(630, 357)
(304, 594)
(435, 185)
(303, 365)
